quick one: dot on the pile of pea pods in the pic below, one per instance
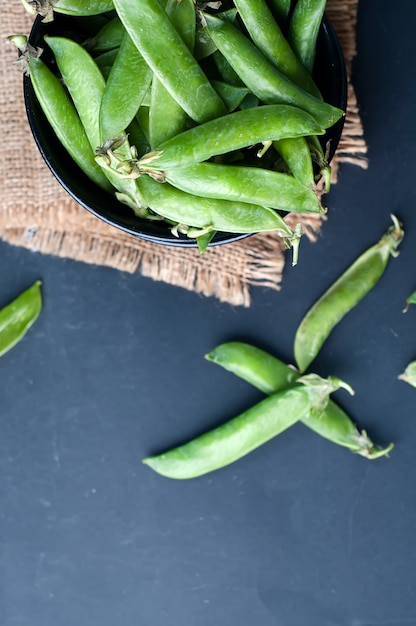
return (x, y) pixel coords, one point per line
(205, 116)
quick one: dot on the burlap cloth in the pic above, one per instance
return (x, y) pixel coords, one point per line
(36, 213)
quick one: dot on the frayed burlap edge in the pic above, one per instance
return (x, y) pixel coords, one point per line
(37, 214)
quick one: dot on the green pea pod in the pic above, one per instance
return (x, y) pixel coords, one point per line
(106, 60)
(270, 40)
(62, 116)
(84, 82)
(127, 84)
(204, 46)
(82, 7)
(303, 29)
(410, 300)
(343, 295)
(270, 375)
(297, 156)
(280, 10)
(263, 78)
(231, 132)
(167, 118)
(409, 374)
(231, 95)
(109, 36)
(86, 86)
(17, 317)
(78, 8)
(169, 58)
(224, 215)
(246, 432)
(246, 184)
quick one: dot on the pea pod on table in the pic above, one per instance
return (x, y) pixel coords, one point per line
(241, 435)
(270, 375)
(344, 294)
(17, 317)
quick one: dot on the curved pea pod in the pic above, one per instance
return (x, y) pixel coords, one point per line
(303, 29)
(231, 132)
(84, 82)
(83, 7)
(167, 118)
(246, 432)
(86, 86)
(270, 375)
(64, 120)
(410, 300)
(280, 10)
(127, 84)
(77, 8)
(297, 156)
(224, 215)
(343, 295)
(231, 95)
(17, 317)
(270, 40)
(409, 374)
(169, 58)
(263, 78)
(245, 184)
(109, 36)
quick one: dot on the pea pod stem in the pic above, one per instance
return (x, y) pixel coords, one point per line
(345, 293)
(270, 375)
(17, 317)
(241, 435)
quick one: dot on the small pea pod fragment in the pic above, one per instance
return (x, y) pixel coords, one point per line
(410, 300)
(343, 295)
(17, 317)
(270, 375)
(409, 374)
(241, 435)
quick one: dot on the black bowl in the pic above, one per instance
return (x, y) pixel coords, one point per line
(330, 76)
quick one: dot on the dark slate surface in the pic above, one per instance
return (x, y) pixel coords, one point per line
(300, 532)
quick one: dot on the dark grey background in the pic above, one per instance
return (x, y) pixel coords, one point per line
(300, 532)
